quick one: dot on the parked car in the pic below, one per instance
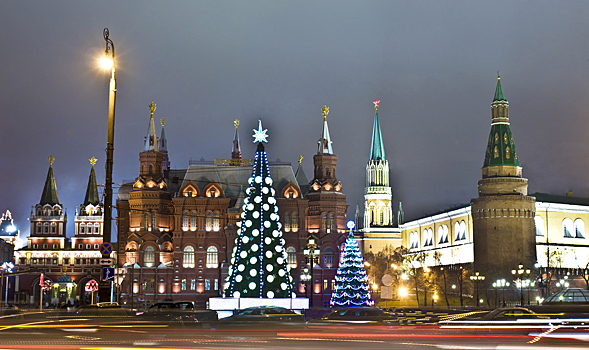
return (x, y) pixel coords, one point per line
(101, 309)
(265, 314)
(358, 315)
(178, 311)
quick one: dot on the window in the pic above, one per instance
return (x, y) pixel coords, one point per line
(88, 246)
(77, 260)
(443, 234)
(328, 258)
(428, 237)
(66, 261)
(193, 221)
(149, 257)
(38, 228)
(22, 261)
(324, 284)
(153, 221)
(579, 229)
(44, 246)
(414, 240)
(567, 228)
(188, 259)
(295, 222)
(291, 256)
(216, 284)
(209, 222)
(539, 226)
(185, 221)
(212, 257)
(332, 284)
(152, 284)
(80, 246)
(216, 222)
(145, 221)
(96, 246)
(82, 228)
(144, 285)
(53, 228)
(207, 284)
(324, 222)
(286, 223)
(331, 227)
(54, 245)
(96, 228)
(193, 284)
(46, 227)
(184, 284)
(460, 230)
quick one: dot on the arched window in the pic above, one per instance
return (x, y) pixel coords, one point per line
(539, 225)
(145, 221)
(153, 221)
(185, 221)
(149, 257)
(209, 222)
(463, 229)
(457, 231)
(579, 229)
(567, 228)
(193, 221)
(188, 258)
(291, 256)
(328, 258)
(96, 228)
(216, 221)
(212, 257)
(331, 222)
(286, 222)
(324, 222)
(295, 222)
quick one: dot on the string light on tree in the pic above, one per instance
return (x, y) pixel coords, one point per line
(259, 266)
(351, 280)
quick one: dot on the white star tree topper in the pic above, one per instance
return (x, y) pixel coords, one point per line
(260, 135)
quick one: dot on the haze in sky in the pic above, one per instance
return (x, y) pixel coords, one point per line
(433, 65)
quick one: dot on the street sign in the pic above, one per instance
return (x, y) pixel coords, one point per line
(386, 292)
(108, 274)
(92, 286)
(107, 262)
(41, 279)
(105, 248)
(387, 280)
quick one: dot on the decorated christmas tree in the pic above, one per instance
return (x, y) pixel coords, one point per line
(351, 281)
(259, 266)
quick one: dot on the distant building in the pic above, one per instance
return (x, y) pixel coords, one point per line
(8, 231)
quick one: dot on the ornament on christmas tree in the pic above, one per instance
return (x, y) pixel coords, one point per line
(259, 266)
(351, 281)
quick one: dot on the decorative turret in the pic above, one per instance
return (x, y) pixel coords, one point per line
(324, 142)
(92, 196)
(48, 218)
(163, 146)
(302, 178)
(49, 195)
(151, 142)
(151, 158)
(90, 220)
(236, 152)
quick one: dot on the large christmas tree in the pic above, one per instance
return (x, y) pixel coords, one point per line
(351, 281)
(259, 266)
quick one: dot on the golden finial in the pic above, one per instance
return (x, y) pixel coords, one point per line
(325, 112)
(300, 159)
(236, 123)
(51, 159)
(163, 120)
(92, 161)
(152, 108)
(498, 77)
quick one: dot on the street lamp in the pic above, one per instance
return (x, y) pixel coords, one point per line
(520, 272)
(477, 278)
(5, 268)
(501, 284)
(312, 253)
(109, 63)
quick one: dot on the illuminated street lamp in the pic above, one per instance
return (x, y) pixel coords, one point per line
(108, 62)
(477, 278)
(520, 272)
(312, 253)
(5, 268)
(501, 284)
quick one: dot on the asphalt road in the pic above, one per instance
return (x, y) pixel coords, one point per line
(35, 332)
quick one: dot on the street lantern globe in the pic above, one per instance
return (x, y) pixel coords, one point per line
(311, 241)
(351, 224)
(107, 62)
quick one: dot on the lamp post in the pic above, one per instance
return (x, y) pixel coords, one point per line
(520, 272)
(501, 284)
(311, 252)
(5, 268)
(477, 278)
(109, 62)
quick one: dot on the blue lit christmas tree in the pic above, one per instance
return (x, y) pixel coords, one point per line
(351, 281)
(259, 266)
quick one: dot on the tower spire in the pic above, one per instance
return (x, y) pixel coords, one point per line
(151, 141)
(376, 146)
(162, 140)
(49, 195)
(92, 196)
(325, 140)
(236, 152)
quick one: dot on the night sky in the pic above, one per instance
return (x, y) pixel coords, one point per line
(433, 65)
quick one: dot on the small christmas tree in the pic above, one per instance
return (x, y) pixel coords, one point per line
(351, 281)
(259, 266)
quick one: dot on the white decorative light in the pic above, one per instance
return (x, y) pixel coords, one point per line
(275, 233)
(232, 261)
(253, 272)
(269, 268)
(279, 260)
(268, 254)
(250, 206)
(270, 294)
(245, 239)
(246, 200)
(243, 254)
(267, 240)
(258, 199)
(241, 267)
(283, 286)
(260, 135)
(293, 295)
(271, 200)
(242, 215)
(278, 248)
(281, 273)
(267, 224)
(270, 278)
(236, 294)
(256, 214)
(255, 232)
(255, 247)
(252, 285)
(273, 192)
(253, 260)
(282, 241)
(266, 207)
(248, 191)
(238, 278)
(279, 225)
(258, 179)
(248, 223)
(269, 181)
(265, 190)
(273, 217)
(250, 180)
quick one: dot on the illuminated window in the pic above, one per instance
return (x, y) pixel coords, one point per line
(46, 227)
(185, 220)
(212, 257)
(145, 221)
(193, 221)
(216, 286)
(324, 284)
(53, 227)
(324, 222)
(539, 226)
(153, 220)
(443, 234)
(291, 255)
(207, 284)
(96, 246)
(579, 229)
(332, 284)
(209, 222)
(39, 228)
(428, 239)
(331, 222)
(54, 246)
(188, 259)
(88, 246)
(567, 228)
(149, 257)
(295, 222)
(82, 228)
(144, 285)
(286, 222)
(328, 258)
(184, 284)
(216, 221)
(44, 246)
(193, 284)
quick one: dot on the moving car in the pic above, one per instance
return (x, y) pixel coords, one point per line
(265, 314)
(502, 316)
(358, 315)
(178, 311)
(106, 309)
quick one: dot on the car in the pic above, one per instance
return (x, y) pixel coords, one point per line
(106, 309)
(358, 315)
(265, 314)
(500, 316)
(178, 311)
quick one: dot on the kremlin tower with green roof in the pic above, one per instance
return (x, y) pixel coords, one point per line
(503, 193)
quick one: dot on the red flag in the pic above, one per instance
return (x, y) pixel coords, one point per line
(41, 279)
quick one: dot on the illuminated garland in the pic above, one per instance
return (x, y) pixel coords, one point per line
(351, 287)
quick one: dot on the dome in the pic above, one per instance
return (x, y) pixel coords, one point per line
(568, 296)
(64, 279)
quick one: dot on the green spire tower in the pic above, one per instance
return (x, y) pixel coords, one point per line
(49, 195)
